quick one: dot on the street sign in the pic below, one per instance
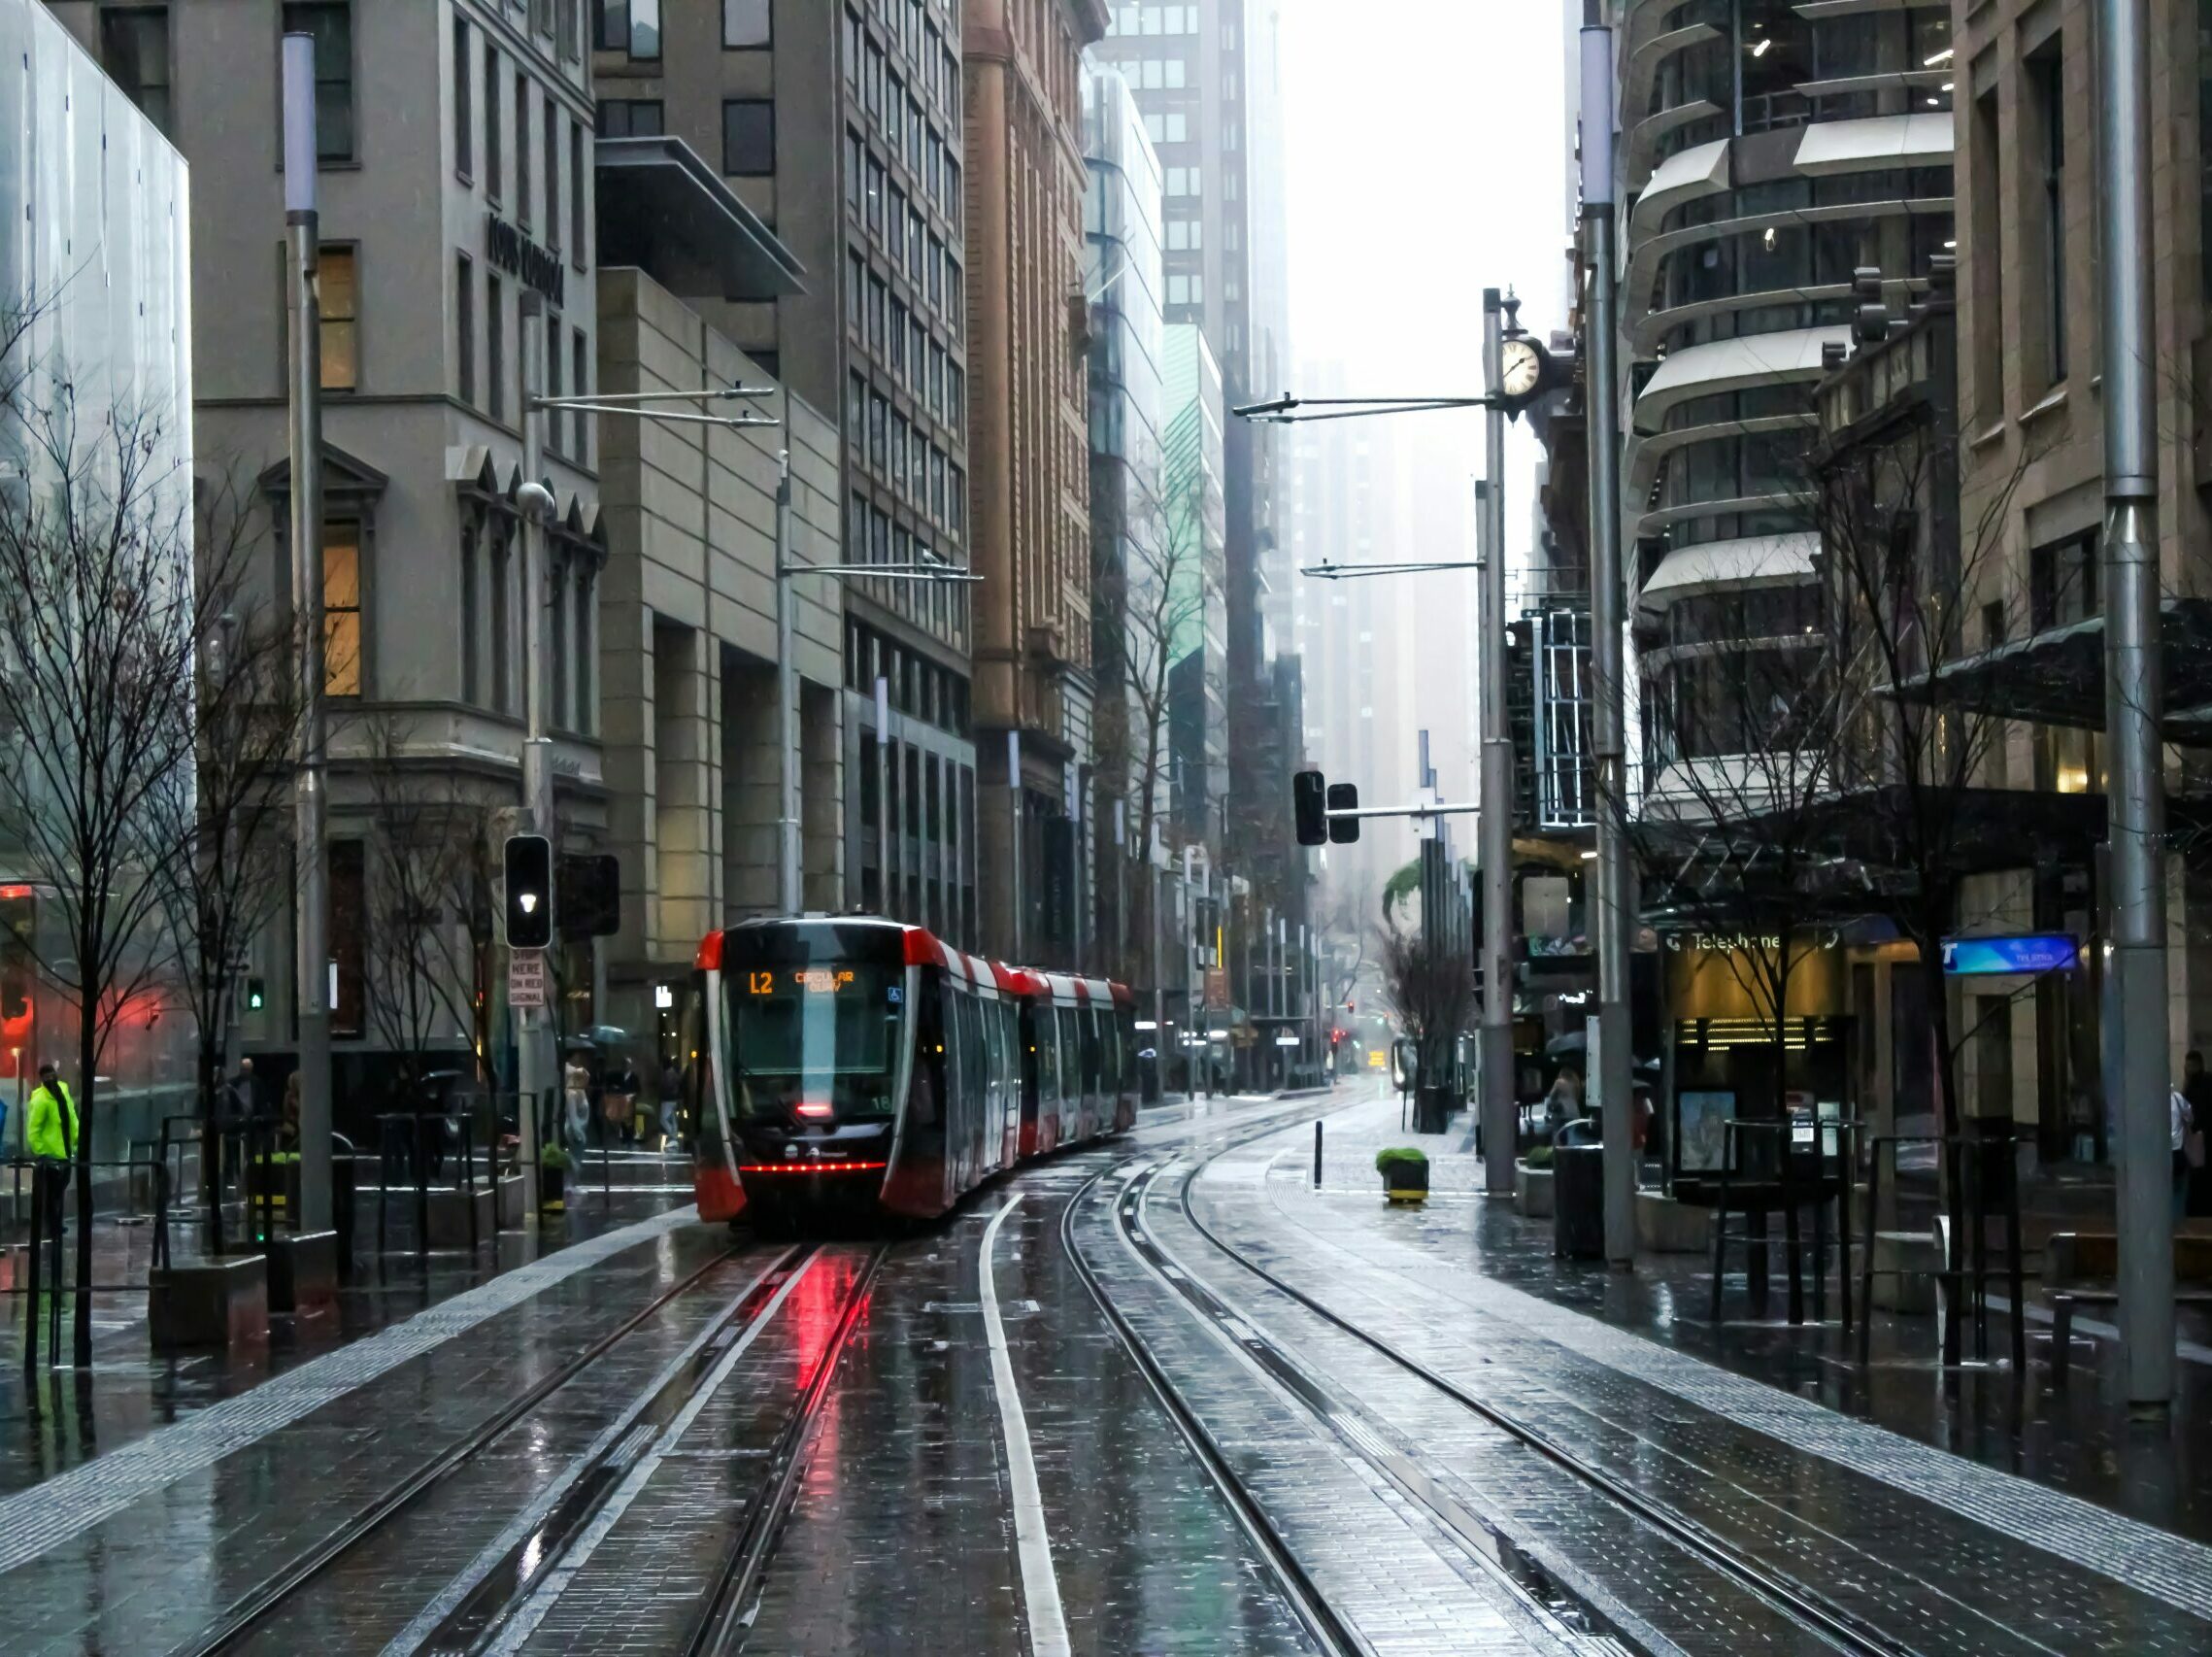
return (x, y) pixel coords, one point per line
(2047, 952)
(527, 978)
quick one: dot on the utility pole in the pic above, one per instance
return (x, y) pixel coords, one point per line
(2134, 702)
(1611, 1064)
(312, 963)
(533, 1071)
(1497, 1110)
(1017, 899)
(885, 902)
(790, 894)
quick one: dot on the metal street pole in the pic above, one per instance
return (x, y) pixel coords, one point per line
(1017, 899)
(884, 901)
(1610, 1062)
(1497, 1110)
(1158, 982)
(788, 898)
(534, 1073)
(2135, 697)
(312, 963)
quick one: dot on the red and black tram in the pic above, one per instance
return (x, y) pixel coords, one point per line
(858, 1060)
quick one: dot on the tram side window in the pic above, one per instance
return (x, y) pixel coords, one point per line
(1048, 1059)
(1071, 1053)
(1089, 1018)
(1109, 1033)
(975, 1063)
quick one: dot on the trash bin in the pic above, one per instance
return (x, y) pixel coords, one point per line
(1432, 1109)
(1578, 1202)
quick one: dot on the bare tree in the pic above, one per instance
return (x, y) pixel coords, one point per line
(1150, 601)
(228, 813)
(1430, 987)
(1741, 766)
(424, 906)
(100, 624)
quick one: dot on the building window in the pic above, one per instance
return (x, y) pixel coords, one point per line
(554, 360)
(629, 117)
(521, 149)
(571, 47)
(2047, 99)
(472, 646)
(576, 182)
(746, 23)
(587, 712)
(632, 27)
(502, 607)
(465, 326)
(581, 380)
(335, 280)
(331, 24)
(464, 101)
(1984, 203)
(342, 664)
(492, 78)
(749, 137)
(134, 50)
(553, 174)
(495, 349)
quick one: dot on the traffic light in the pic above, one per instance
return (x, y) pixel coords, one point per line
(1309, 802)
(589, 893)
(1343, 797)
(256, 994)
(529, 891)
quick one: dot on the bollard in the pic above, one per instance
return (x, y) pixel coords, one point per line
(1316, 1156)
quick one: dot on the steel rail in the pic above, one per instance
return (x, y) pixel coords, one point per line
(272, 1591)
(1828, 1620)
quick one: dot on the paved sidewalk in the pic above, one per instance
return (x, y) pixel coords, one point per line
(140, 1547)
(1870, 1516)
(131, 1390)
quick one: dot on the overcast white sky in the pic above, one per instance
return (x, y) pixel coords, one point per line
(1426, 163)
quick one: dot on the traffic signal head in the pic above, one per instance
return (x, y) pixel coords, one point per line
(589, 893)
(256, 994)
(1309, 801)
(529, 891)
(1343, 797)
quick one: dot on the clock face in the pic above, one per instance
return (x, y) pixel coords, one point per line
(1522, 368)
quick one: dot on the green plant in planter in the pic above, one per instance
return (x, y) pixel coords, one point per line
(1539, 1157)
(554, 1158)
(1405, 1174)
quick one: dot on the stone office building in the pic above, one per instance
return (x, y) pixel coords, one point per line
(456, 143)
(840, 125)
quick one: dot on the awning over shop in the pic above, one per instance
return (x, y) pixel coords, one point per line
(2057, 677)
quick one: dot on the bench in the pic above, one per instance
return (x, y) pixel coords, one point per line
(2071, 1256)
(2062, 1304)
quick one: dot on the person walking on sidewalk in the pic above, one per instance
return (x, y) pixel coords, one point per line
(576, 1092)
(2188, 1150)
(49, 1138)
(2196, 1093)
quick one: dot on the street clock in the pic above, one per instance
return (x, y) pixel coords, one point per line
(1525, 372)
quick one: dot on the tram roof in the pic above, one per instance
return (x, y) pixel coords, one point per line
(920, 947)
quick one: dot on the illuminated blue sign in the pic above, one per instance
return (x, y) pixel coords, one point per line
(2048, 952)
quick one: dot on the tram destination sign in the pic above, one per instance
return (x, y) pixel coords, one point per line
(2039, 951)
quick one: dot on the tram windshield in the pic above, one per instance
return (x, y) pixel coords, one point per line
(803, 1037)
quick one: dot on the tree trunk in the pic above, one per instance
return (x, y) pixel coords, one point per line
(88, 1059)
(1944, 1078)
(211, 1156)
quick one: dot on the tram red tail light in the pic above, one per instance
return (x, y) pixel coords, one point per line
(813, 1110)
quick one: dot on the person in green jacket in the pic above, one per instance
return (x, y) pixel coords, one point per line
(49, 1121)
(50, 1135)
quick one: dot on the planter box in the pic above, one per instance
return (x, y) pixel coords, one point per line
(303, 1272)
(1406, 1182)
(1914, 1251)
(209, 1303)
(1665, 1226)
(449, 1216)
(510, 1201)
(1532, 1191)
(553, 1189)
